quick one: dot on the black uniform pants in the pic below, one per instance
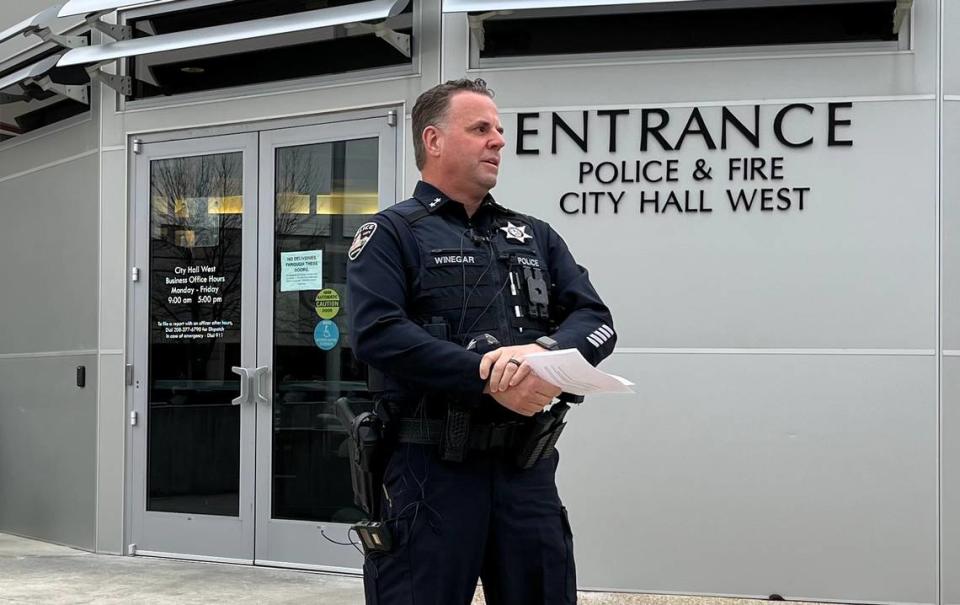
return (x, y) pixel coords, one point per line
(455, 522)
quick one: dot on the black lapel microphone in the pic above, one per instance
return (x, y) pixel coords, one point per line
(478, 238)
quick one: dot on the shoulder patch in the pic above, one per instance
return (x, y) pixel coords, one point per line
(360, 240)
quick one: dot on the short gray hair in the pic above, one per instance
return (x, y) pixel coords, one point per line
(431, 108)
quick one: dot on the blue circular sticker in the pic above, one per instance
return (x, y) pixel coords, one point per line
(326, 335)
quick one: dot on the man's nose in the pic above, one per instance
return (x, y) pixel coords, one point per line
(498, 141)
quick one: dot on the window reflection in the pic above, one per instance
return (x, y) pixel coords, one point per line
(196, 206)
(324, 192)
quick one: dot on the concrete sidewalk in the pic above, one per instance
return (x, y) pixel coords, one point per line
(37, 572)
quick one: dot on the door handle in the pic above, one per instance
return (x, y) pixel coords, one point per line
(244, 374)
(258, 376)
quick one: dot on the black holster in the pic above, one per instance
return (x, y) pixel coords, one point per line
(545, 431)
(368, 448)
(543, 434)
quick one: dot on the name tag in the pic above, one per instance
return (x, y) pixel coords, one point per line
(527, 261)
(449, 260)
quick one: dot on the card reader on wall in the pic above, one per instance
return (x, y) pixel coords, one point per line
(81, 376)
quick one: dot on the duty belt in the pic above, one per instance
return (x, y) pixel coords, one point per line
(482, 437)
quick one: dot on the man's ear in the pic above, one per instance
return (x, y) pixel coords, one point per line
(432, 140)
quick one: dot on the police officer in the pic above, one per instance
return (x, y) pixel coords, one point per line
(448, 292)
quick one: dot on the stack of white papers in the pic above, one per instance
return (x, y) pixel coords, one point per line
(568, 370)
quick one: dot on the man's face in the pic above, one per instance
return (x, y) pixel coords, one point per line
(471, 138)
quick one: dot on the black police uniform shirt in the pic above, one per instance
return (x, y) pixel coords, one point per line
(424, 279)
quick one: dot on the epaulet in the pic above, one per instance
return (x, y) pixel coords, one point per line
(410, 210)
(504, 210)
(540, 226)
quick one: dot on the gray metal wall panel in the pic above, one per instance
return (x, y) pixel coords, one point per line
(216, 110)
(113, 249)
(112, 425)
(855, 269)
(48, 449)
(48, 226)
(950, 312)
(18, 156)
(813, 477)
(950, 194)
(950, 496)
(111, 403)
(951, 48)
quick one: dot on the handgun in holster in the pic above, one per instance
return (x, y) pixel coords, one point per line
(368, 452)
(545, 431)
(367, 445)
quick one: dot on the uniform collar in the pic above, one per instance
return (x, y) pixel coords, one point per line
(433, 199)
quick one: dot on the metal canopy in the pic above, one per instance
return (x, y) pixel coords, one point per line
(36, 70)
(232, 32)
(89, 7)
(93, 10)
(39, 21)
(471, 6)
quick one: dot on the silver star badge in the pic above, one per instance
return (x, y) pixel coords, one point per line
(516, 233)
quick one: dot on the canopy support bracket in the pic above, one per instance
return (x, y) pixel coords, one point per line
(399, 41)
(46, 35)
(121, 84)
(117, 32)
(7, 97)
(900, 13)
(476, 26)
(77, 93)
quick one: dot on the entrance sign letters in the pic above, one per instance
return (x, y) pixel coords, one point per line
(685, 160)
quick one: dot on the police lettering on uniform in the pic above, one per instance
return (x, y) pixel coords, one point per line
(448, 292)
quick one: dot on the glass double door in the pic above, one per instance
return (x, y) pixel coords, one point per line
(241, 342)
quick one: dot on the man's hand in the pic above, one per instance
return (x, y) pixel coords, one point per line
(504, 373)
(512, 384)
(528, 397)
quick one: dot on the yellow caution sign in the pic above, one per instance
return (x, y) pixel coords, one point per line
(328, 303)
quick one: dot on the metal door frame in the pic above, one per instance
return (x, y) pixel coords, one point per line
(226, 539)
(289, 543)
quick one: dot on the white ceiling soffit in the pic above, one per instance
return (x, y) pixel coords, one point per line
(37, 70)
(476, 6)
(232, 32)
(42, 19)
